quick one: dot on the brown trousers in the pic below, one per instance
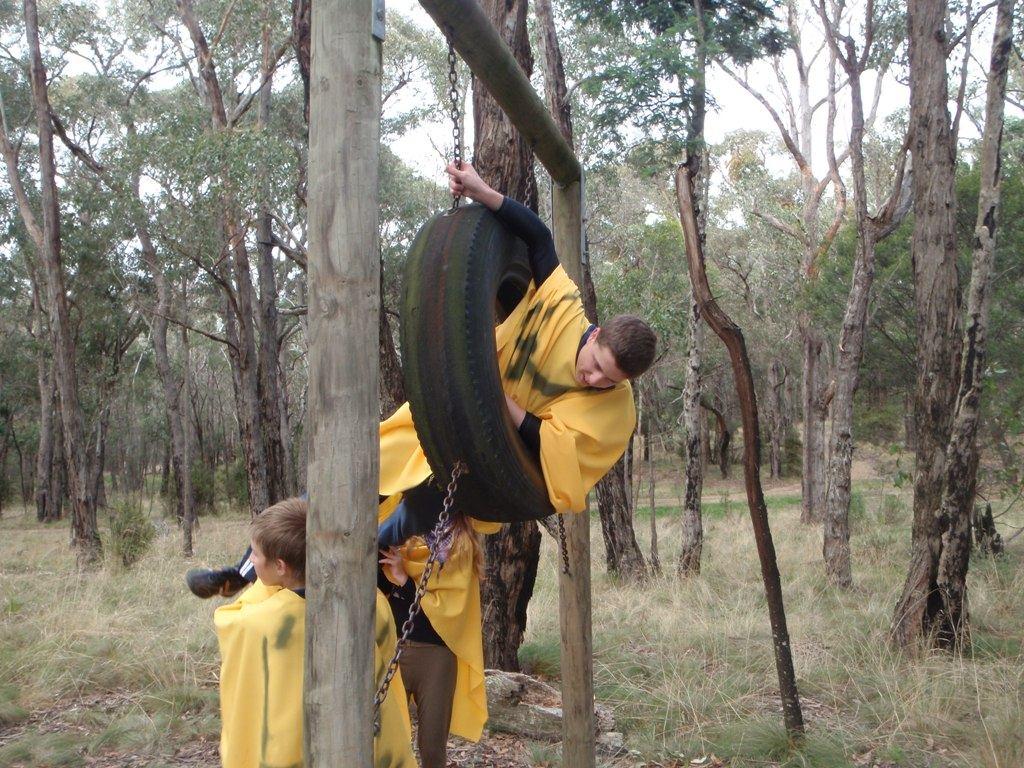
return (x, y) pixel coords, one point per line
(428, 672)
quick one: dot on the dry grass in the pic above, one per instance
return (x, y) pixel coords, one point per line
(117, 662)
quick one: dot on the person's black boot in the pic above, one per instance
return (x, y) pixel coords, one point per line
(206, 582)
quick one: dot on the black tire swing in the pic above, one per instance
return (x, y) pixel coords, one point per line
(465, 271)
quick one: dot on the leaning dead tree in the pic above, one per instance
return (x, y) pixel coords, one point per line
(732, 337)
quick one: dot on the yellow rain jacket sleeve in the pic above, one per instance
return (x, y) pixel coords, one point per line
(262, 645)
(583, 431)
(452, 603)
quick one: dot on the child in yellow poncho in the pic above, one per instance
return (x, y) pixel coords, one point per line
(443, 661)
(262, 643)
(566, 382)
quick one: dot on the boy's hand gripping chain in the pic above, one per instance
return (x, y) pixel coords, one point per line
(421, 587)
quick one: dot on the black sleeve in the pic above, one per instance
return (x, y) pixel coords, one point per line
(383, 584)
(529, 431)
(527, 226)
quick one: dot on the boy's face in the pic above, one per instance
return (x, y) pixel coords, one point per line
(596, 366)
(270, 572)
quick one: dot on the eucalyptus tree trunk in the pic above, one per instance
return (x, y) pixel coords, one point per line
(693, 526)
(184, 498)
(962, 455)
(836, 546)
(47, 505)
(502, 156)
(85, 535)
(920, 614)
(696, 166)
(814, 411)
(239, 307)
(655, 558)
(392, 386)
(270, 382)
(732, 338)
(775, 416)
(505, 161)
(302, 11)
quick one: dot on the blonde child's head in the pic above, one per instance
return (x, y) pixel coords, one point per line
(279, 544)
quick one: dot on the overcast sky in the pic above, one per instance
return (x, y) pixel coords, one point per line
(735, 108)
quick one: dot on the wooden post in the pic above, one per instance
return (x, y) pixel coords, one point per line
(490, 60)
(574, 588)
(344, 305)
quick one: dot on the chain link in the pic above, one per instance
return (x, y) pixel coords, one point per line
(563, 545)
(453, 95)
(421, 587)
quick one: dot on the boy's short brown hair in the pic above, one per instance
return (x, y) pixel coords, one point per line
(631, 341)
(280, 533)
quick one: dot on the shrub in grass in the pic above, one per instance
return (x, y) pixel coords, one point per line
(131, 531)
(236, 484)
(10, 711)
(203, 491)
(891, 509)
(858, 510)
(792, 454)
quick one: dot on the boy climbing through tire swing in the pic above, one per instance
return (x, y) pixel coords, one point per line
(566, 388)
(570, 401)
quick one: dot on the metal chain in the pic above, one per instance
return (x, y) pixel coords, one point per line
(421, 587)
(563, 545)
(453, 95)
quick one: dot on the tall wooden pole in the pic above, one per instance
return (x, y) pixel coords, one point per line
(574, 587)
(344, 306)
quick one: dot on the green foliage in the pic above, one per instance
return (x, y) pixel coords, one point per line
(792, 454)
(766, 741)
(858, 510)
(891, 509)
(878, 422)
(645, 66)
(131, 531)
(10, 710)
(203, 487)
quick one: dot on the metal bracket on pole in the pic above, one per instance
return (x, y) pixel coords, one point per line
(378, 20)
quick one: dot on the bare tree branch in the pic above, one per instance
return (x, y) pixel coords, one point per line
(222, 28)
(971, 22)
(244, 105)
(781, 226)
(787, 137)
(961, 91)
(11, 153)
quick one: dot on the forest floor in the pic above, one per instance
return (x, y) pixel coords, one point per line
(117, 668)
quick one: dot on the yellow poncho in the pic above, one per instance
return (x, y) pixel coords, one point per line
(262, 645)
(583, 431)
(452, 603)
